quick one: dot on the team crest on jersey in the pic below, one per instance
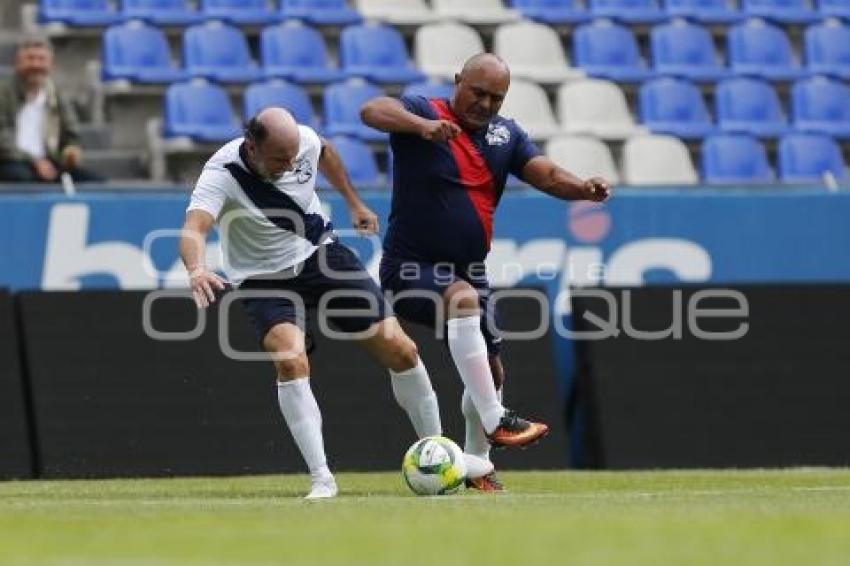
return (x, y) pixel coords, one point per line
(303, 170)
(497, 134)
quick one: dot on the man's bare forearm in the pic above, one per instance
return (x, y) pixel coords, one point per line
(193, 239)
(389, 115)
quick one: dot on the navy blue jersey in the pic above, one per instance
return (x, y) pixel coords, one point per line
(444, 194)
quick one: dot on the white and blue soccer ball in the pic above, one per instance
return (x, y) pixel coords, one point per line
(434, 465)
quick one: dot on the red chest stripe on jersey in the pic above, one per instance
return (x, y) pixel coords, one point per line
(474, 173)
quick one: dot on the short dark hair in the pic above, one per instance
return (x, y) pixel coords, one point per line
(256, 131)
(33, 40)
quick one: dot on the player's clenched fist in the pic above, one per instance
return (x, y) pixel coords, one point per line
(203, 281)
(364, 220)
(596, 189)
(440, 130)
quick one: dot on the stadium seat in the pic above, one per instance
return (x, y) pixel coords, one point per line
(584, 156)
(676, 107)
(595, 107)
(397, 12)
(758, 48)
(630, 11)
(834, 8)
(828, 48)
(297, 52)
(342, 103)
(376, 52)
(239, 12)
(527, 103)
(138, 53)
(430, 89)
(280, 93)
(657, 160)
(735, 159)
(533, 51)
(320, 12)
(809, 158)
(200, 111)
(783, 11)
(162, 12)
(552, 12)
(481, 12)
(359, 161)
(684, 49)
(219, 51)
(83, 13)
(749, 106)
(821, 105)
(608, 50)
(704, 11)
(440, 50)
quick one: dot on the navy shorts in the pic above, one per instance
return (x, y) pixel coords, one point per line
(402, 276)
(332, 268)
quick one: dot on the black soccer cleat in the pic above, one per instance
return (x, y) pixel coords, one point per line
(513, 430)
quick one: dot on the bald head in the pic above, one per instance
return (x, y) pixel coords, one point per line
(486, 63)
(480, 88)
(272, 140)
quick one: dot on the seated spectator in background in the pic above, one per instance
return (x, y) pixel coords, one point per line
(38, 126)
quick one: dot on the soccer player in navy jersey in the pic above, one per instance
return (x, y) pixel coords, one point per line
(451, 160)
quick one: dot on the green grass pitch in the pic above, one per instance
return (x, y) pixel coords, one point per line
(799, 516)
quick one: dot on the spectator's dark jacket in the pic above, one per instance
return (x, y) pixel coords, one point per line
(60, 124)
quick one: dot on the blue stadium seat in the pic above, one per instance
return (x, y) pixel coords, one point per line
(240, 12)
(834, 8)
(139, 53)
(218, 51)
(684, 49)
(430, 89)
(828, 48)
(297, 52)
(704, 11)
(750, 106)
(162, 12)
(320, 12)
(552, 12)
(359, 161)
(605, 49)
(200, 111)
(821, 105)
(735, 159)
(676, 107)
(280, 93)
(376, 52)
(631, 11)
(807, 158)
(784, 11)
(763, 50)
(342, 103)
(84, 13)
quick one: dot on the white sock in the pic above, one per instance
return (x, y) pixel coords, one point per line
(413, 391)
(476, 442)
(469, 352)
(304, 420)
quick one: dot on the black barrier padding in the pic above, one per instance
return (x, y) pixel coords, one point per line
(776, 397)
(15, 449)
(110, 401)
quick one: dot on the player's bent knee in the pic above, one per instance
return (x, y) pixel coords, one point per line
(406, 354)
(461, 299)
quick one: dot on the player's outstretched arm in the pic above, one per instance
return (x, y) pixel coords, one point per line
(389, 115)
(193, 245)
(332, 167)
(545, 175)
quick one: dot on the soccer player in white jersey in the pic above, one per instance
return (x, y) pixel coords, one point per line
(275, 237)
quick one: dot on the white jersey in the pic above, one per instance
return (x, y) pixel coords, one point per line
(265, 227)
